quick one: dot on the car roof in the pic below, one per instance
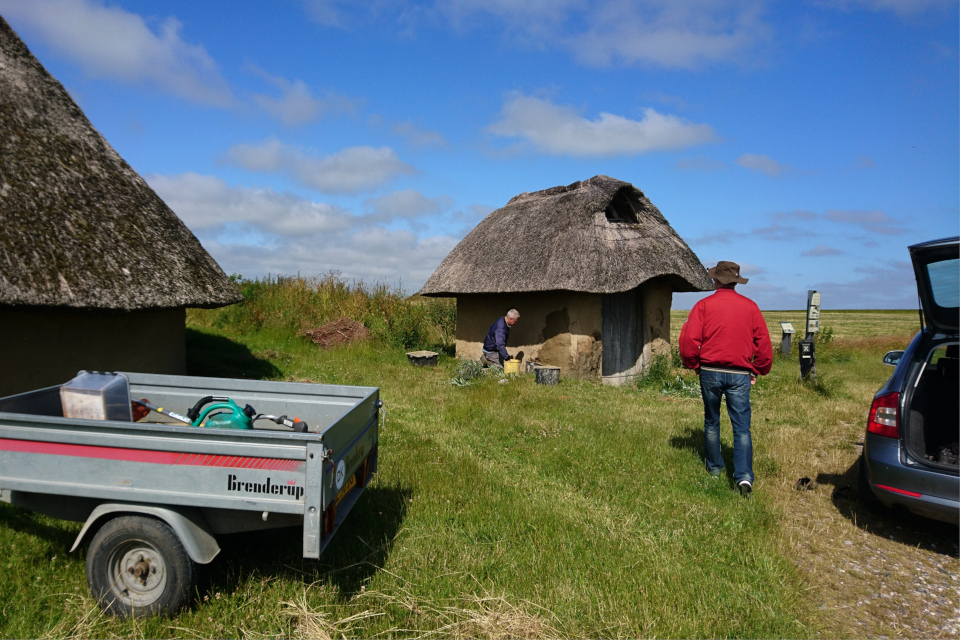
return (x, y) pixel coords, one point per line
(934, 243)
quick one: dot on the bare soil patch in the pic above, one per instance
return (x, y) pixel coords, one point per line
(339, 331)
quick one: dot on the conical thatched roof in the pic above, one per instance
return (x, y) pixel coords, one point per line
(78, 227)
(598, 236)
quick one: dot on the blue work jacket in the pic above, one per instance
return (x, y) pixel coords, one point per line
(496, 339)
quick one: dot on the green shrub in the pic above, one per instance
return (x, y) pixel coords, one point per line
(468, 371)
(662, 376)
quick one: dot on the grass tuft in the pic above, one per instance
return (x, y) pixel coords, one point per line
(311, 624)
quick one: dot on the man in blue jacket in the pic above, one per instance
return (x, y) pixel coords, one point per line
(495, 344)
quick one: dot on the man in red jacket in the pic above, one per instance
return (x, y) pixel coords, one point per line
(725, 339)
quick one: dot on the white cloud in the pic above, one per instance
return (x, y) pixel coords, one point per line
(782, 232)
(900, 7)
(871, 221)
(678, 34)
(207, 202)
(324, 12)
(420, 137)
(296, 104)
(406, 205)
(796, 214)
(108, 42)
(561, 130)
(255, 232)
(523, 18)
(394, 257)
(350, 170)
(890, 286)
(764, 164)
(822, 250)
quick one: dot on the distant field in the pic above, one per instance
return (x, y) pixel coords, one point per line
(846, 325)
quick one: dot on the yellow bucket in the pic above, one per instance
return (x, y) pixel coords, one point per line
(511, 366)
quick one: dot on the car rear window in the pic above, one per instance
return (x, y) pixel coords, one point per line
(945, 282)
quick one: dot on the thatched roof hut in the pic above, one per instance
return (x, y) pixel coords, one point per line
(598, 250)
(80, 230)
(80, 227)
(599, 236)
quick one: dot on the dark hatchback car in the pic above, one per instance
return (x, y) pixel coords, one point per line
(910, 450)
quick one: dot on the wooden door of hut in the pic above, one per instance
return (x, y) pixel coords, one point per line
(622, 347)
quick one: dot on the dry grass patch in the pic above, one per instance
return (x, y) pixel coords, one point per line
(82, 618)
(492, 617)
(312, 624)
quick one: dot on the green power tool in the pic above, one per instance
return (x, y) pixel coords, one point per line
(224, 413)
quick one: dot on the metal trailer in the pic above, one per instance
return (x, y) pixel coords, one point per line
(154, 496)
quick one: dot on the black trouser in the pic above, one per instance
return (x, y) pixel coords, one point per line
(493, 359)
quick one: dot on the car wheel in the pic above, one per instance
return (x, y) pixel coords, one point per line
(137, 566)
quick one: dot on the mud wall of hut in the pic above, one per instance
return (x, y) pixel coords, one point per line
(657, 297)
(559, 328)
(566, 329)
(42, 346)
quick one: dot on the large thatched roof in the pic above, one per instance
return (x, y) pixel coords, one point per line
(78, 227)
(598, 236)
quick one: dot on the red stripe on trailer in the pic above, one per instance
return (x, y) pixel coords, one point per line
(143, 455)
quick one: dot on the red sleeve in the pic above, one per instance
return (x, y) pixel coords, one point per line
(762, 350)
(691, 337)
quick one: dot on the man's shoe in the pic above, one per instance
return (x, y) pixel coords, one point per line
(745, 487)
(715, 473)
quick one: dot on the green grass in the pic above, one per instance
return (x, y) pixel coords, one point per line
(500, 509)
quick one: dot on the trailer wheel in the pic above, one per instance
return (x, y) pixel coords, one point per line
(137, 566)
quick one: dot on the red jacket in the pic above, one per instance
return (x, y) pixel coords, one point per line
(726, 330)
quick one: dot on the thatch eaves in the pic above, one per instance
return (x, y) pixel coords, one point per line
(78, 226)
(597, 236)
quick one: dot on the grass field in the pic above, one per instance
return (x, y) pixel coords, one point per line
(516, 510)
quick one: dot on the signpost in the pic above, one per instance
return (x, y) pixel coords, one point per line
(813, 313)
(808, 357)
(788, 330)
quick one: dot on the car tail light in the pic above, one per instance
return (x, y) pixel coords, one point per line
(883, 416)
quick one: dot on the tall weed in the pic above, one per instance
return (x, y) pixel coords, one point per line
(664, 376)
(294, 304)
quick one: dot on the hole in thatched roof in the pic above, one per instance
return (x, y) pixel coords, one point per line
(623, 207)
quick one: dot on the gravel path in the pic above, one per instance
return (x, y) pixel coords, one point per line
(876, 574)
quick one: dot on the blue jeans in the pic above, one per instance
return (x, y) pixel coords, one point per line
(736, 387)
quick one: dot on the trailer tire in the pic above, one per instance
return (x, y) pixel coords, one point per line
(137, 566)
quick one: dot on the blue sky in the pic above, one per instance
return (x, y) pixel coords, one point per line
(811, 141)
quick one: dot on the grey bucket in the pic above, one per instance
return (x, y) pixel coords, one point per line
(548, 375)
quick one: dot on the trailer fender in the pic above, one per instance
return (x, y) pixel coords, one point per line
(188, 524)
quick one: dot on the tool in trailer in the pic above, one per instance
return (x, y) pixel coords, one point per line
(152, 407)
(298, 425)
(224, 413)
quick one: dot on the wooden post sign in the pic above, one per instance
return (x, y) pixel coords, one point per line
(788, 330)
(808, 355)
(813, 313)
